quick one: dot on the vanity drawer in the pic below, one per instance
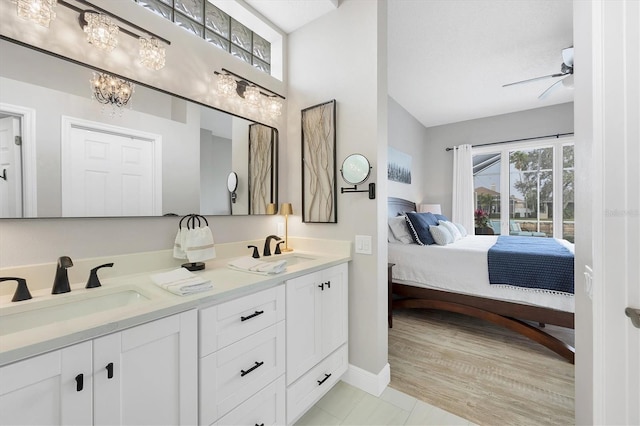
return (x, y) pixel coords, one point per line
(267, 407)
(229, 322)
(231, 375)
(308, 389)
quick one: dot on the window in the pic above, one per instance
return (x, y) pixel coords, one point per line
(526, 189)
(212, 24)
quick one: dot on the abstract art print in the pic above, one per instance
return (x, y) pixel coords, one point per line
(399, 166)
(319, 163)
(262, 177)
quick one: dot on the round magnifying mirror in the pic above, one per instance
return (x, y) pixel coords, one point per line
(232, 182)
(355, 169)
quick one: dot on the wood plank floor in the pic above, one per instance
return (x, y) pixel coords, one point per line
(479, 371)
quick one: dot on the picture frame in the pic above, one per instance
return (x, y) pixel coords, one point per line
(319, 191)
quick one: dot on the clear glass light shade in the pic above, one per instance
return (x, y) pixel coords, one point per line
(252, 95)
(101, 31)
(227, 85)
(39, 11)
(152, 54)
(111, 90)
(274, 106)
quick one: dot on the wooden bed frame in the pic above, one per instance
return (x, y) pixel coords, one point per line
(510, 315)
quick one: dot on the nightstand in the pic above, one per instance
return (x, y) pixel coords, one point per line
(390, 295)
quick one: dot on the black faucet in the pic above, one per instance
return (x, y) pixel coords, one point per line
(22, 292)
(93, 280)
(61, 281)
(267, 244)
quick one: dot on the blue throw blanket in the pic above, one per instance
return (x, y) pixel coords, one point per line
(536, 263)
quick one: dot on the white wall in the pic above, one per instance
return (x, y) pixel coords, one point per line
(333, 58)
(408, 135)
(439, 163)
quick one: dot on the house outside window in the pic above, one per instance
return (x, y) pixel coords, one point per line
(205, 20)
(527, 189)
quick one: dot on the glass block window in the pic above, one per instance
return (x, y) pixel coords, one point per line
(207, 21)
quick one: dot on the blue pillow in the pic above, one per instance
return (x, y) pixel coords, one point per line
(419, 225)
(441, 217)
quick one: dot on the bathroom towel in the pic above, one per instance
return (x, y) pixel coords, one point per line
(178, 245)
(198, 244)
(181, 282)
(249, 264)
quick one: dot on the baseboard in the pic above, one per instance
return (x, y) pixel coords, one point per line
(369, 382)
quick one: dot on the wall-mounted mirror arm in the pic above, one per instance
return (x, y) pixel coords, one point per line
(371, 190)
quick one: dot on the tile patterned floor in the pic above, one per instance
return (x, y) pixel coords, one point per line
(348, 405)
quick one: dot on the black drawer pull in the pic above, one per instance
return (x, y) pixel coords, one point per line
(328, 284)
(244, 373)
(326, 376)
(109, 368)
(261, 424)
(79, 382)
(255, 314)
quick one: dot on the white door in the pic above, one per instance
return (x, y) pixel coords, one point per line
(304, 321)
(615, 130)
(148, 374)
(107, 175)
(335, 322)
(50, 389)
(10, 168)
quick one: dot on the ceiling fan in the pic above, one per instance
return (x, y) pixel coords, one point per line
(566, 72)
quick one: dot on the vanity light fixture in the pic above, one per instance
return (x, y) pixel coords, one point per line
(39, 11)
(152, 54)
(111, 90)
(101, 31)
(256, 96)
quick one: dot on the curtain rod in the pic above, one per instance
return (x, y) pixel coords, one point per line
(557, 135)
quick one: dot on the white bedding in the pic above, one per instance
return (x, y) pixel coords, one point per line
(461, 267)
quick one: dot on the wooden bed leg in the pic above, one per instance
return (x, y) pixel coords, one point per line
(541, 324)
(558, 346)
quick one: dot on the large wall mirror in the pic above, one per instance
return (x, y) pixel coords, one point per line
(64, 154)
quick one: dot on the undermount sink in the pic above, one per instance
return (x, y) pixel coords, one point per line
(51, 310)
(292, 259)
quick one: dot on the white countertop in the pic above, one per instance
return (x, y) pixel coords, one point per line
(227, 284)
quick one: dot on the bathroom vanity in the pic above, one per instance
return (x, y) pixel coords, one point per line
(256, 349)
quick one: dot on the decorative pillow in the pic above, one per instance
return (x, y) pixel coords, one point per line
(441, 235)
(462, 229)
(390, 237)
(419, 225)
(398, 226)
(441, 217)
(453, 230)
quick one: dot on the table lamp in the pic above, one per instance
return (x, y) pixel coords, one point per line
(286, 209)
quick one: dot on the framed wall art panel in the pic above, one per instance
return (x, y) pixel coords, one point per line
(319, 196)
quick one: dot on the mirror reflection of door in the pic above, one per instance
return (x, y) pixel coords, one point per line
(108, 174)
(10, 168)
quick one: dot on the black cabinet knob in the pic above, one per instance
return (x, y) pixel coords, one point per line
(109, 368)
(79, 382)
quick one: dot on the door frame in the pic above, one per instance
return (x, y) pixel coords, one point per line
(68, 123)
(27, 118)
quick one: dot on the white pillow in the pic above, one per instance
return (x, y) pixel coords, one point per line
(441, 235)
(462, 229)
(398, 226)
(453, 230)
(390, 237)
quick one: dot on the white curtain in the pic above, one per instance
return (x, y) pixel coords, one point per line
(463, 187)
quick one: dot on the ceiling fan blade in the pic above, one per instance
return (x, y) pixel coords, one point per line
(534, 79)
(550, 89)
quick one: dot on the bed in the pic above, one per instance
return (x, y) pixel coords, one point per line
(454, 278)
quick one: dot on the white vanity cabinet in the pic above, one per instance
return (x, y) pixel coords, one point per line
(143, 375)
(317, 333)
(242, 360)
